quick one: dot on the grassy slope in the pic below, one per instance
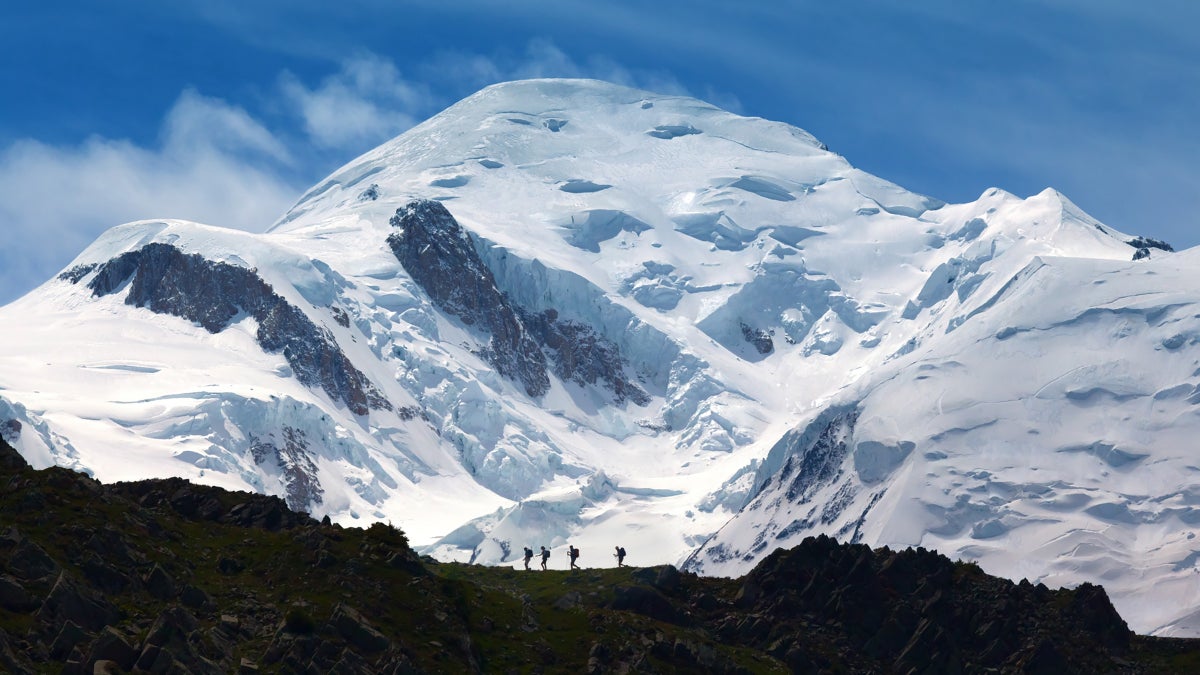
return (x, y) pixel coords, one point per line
(266, 588)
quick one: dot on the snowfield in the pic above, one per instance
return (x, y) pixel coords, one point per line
(746, 341)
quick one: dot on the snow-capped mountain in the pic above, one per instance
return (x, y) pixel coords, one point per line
(567, 311)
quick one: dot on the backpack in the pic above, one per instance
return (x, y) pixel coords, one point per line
(576, 554)
(621, 552)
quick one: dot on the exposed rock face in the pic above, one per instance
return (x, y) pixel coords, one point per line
(583, 356)
(1144, 244)
(213, 294)
(758, 337)
(818, 462)
(437, 253)
(299, 471)
(1148, 242)
(803, 476)
(10, 459)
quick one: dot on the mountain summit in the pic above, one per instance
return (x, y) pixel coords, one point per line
(564, 310)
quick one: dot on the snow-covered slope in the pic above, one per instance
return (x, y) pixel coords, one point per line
(563, 310)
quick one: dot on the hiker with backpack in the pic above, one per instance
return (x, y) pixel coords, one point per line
(528, 557)
(545, 557)
(620, 556)
(573, 553)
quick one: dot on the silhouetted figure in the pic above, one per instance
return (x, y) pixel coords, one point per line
(528, 556)
(573, 553)
(620, 555)
(545, 557)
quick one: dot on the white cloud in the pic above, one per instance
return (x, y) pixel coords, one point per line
(366, 102)
(197, 124)
(215, 164)
(543, 58)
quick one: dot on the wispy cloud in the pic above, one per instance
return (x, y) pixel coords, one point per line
(467, 72)
(202, 126)
(213, 164)
(365, 102)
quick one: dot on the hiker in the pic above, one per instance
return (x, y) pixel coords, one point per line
(620, 556)
(545, 557)
(528, 557)
(573, 553)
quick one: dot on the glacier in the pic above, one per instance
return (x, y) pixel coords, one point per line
(570, 312)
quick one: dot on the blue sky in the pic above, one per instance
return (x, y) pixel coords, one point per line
(224, 112)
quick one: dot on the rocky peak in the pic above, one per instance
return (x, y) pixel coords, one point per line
(160, 589)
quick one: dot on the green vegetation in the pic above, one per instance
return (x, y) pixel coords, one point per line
(162, 576)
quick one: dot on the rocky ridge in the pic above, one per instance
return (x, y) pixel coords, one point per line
(165, 280)
(164, 576)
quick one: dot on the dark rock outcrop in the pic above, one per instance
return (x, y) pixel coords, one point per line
(761, 339)
(159, 583)
(10, 430)
(70, 601)
(440, 256)
(812, 457)
(916, 609)
(1147, 242)
(582, 355)
(665, 578)
(114, 647)
(370, 194)
(11, 461)
(357, 630)
(292, 460)
(28, 561)
(437, 253)
(647, 602)
(1142, 246)
(165, 280)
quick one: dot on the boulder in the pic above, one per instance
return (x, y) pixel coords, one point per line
(647, 602)
(194, 598)
(30, 562)
(67, 601)
(14, 597)
(112, 647)
(665, 578)
(8, 660)
(159, 583)
(69, 636)
(357, 631)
